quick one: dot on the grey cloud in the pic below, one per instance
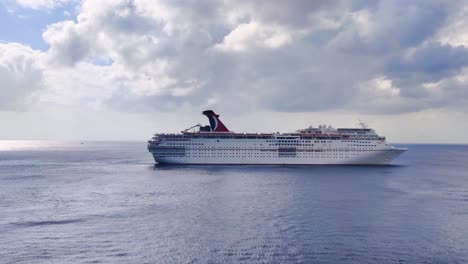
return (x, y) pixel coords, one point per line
(319, 67)
(406, 24)
(295, 13)
(68, 43)
(427, 64)
(433, 60)
(390, 26)
(126, 100)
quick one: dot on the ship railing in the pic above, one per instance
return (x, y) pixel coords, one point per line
(289, 136)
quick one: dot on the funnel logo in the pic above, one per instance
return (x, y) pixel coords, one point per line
(215, 124)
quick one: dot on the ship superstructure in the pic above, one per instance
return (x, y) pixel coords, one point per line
(216, 144)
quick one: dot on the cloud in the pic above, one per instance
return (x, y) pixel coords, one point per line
(67, 44)
(21, 76)
(42, 4)
(249, 36)
(432, 60)
(443, 92)
(454, 31)
(360, 56)
(36, 4)
(389, 26)
(380, 95)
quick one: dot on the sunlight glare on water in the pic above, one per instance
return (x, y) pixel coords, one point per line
(8, 145)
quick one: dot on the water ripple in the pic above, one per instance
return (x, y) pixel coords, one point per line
(106, 203)
(47, 222)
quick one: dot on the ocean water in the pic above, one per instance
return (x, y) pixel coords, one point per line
(101, 202)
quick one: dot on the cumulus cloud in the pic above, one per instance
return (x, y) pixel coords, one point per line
(381, 95)
(361, 56)
(390, 26)
(443, 91)
(250, 36)
(21, 75)
(454, 31)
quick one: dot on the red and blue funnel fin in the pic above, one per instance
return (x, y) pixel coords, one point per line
(215, 124)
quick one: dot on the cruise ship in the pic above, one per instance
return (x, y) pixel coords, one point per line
(216, 144)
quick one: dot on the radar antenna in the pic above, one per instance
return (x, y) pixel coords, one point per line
(362, 124)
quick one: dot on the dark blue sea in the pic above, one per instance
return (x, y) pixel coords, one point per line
(101, 202)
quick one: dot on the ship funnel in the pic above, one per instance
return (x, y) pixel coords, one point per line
(215, 124)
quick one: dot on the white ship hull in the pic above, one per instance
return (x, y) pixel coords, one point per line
(272, 150)
(382, 157)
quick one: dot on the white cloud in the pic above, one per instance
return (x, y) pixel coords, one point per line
(249, 36)
(42, 4)
(455, 31)
(383, 87)
(67, 41)
(21, 75)
(380, 95)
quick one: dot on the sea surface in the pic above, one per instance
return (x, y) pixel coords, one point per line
(106, 202)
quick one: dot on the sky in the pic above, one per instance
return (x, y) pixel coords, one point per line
(125, 69)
